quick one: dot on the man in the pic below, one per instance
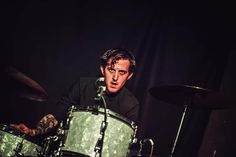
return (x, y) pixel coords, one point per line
(117, 67)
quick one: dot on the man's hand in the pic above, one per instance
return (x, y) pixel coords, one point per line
(22, 128)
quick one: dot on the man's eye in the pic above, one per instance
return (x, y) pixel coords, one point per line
(122, 72)
(111, 70)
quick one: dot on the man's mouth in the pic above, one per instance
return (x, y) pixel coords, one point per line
(113, 84)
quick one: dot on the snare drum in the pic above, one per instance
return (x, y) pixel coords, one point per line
(84, 131)
(10, 140)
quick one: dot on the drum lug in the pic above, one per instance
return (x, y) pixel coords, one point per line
(45, 151)
(18, 150)
(69, 117)
(133, 138)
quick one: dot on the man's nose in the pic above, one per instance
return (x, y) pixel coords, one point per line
(115, 76)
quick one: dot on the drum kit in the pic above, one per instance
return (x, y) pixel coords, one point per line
(86, 133)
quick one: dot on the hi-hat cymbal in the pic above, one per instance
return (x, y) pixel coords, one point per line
(200, 97)
(25, 86)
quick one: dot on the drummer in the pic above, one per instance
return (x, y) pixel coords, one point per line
(117, 67)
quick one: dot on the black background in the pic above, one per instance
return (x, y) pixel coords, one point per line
(55, 43)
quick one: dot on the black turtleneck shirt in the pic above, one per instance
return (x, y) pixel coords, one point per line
(83, 92)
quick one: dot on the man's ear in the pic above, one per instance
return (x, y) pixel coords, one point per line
(130, 75)
(102, 70)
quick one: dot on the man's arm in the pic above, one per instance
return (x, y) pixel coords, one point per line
(47, 123)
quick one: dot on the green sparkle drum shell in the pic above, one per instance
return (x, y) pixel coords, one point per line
(9, 140)
(84, 132)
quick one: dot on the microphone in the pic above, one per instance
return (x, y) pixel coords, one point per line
(101, 88)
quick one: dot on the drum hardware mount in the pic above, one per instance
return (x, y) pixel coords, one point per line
(142, 143)
(60, 136)
(69, 117)
(99, 145)
(45, 151)
(19, 147)
(133, 138)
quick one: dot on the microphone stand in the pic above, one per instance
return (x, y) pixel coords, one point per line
(99, 145)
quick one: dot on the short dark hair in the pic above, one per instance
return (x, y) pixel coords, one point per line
(116, 54)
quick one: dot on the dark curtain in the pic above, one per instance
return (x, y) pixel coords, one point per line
(219, 136)
(55, 43)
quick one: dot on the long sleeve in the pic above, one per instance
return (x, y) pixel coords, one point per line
(50, 121)
(47, 123)
(72, 97)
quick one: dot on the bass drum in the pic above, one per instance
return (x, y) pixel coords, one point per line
(11, 142)
(84, 131)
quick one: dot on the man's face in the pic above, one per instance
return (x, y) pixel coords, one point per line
(116, 75)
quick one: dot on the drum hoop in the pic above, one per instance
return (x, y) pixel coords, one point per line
(11, 130)
(110, 114)
(27, 148)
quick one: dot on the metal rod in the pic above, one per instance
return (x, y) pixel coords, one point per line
(179, 129)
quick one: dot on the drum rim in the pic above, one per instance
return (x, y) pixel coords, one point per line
(72, 153)
(29, 148)
(11, 130)
(110, 113)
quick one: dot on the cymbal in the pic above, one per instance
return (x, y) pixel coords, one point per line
(200, 97)
(25, 86)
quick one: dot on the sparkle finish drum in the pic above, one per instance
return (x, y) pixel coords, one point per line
(11, 141)
(84, 132)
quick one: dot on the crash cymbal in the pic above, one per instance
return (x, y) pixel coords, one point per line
(25, 86)
(200, 97)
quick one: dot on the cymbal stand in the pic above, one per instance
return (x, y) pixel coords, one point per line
(186, 104)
